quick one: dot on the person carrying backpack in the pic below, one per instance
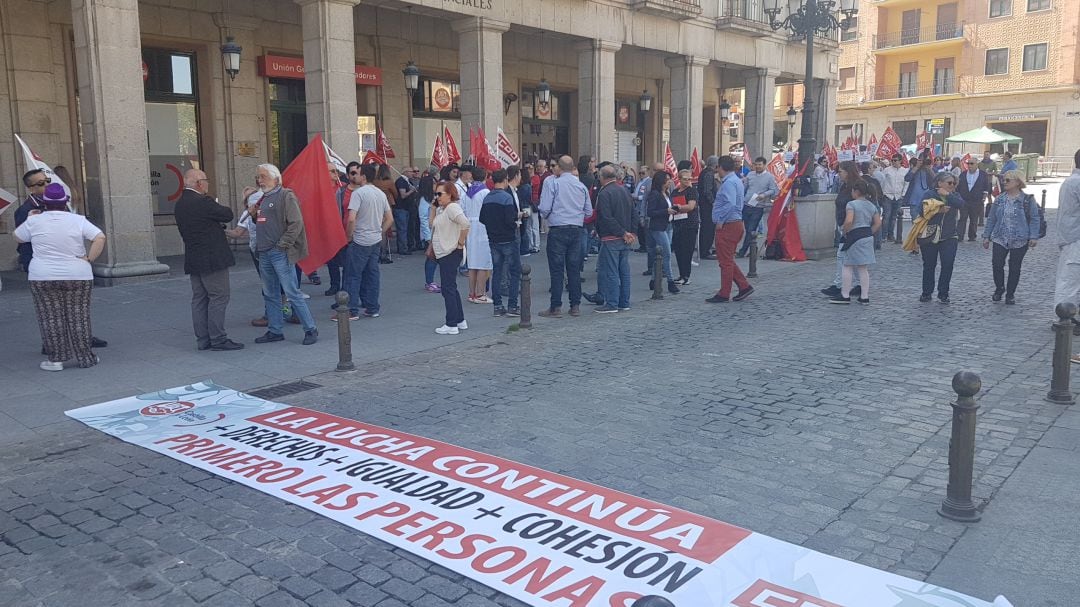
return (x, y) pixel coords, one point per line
(1013, 225)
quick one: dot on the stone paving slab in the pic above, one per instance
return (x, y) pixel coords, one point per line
(822, 425)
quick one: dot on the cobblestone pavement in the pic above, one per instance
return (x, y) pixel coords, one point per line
(826, 426)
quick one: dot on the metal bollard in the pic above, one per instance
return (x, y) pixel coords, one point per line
(958, 505)
(658, 274)
(526, 297)
(752, 271)
(652, 601)
(1063, 332)
(900, 228)
(1042, 205)
(344, 333)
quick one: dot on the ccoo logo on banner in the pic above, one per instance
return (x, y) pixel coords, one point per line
(544, 538)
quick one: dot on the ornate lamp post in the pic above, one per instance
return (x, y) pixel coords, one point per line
(810, 18)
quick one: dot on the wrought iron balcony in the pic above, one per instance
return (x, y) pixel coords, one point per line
(914, 90)
(746, 16)
(908, 37)
(672, 9)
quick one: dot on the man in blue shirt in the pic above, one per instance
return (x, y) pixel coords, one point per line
(760, 190)
(727, 215)
(565, 203)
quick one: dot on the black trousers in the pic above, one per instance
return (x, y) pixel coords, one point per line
(1016, 258)
(970, 213)
(683, 240)
(946, 251)
(448, 273)
(707, 233)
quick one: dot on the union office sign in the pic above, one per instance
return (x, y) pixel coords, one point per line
(276, 66)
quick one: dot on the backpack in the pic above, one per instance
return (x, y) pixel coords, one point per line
(1030, 202)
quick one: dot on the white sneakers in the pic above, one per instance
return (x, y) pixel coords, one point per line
(47, 365)
(448, 330)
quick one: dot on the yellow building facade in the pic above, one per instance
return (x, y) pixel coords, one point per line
(949, 67)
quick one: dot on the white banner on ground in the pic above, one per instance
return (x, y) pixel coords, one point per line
(541, 537)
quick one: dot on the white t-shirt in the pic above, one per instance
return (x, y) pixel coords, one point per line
(59, 240)
(370, 205)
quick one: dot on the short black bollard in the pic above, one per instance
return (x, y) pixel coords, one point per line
(751, 272)
(652, 601)
(958, 505)
(658, 274)
(900, 227)
(344, 333)
(526, 297)
(1063, 333)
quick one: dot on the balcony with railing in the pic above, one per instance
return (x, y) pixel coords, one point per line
(747, 16)
(672, 9)
(956, 85)
(945, 33)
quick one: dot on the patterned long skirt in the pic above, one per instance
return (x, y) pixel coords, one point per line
(63, 311)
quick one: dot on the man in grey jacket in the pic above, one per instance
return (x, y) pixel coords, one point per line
(616, 222)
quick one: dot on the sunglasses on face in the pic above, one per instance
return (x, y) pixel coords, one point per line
(441, 194)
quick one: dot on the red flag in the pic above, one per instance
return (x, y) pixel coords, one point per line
(695, 165)
(783, 223)
(669, 162)
(438, 153)
(474, 145)
(450, 153)
(966, 158)
(486, 157)
(746, 155)
(382, 147)
(372, 158)
(307, 177)
(921, 141)
(506, 154)
(890, 144)
(830, 154)
(777, 168)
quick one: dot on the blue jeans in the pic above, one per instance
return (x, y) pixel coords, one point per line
(564, 256)
(663, 240)
(584, 244)
(401, 230)
(336, 267)
(614, 276)
(429, 271)
(890, 208)
(751, 217)
(362, 277)
(506, 259)
(278, 275)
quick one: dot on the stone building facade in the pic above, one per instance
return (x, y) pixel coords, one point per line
(129, 93)
(1009, 64)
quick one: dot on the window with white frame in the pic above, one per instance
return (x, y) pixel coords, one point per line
(1034, 57)
(997, 61)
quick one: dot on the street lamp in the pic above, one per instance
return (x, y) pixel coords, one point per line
(543, 91)
(645, 101)
(810, 18)
(791, 113)
(230, 57)
(725, 110)
(412, 77)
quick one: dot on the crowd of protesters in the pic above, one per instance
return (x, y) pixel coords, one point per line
(467, 221)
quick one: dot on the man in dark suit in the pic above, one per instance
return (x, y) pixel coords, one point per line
(974, 186)
(207, 258)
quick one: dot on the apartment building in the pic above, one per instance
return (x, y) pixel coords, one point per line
(1012, 65)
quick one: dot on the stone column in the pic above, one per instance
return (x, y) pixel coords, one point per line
(394, 103)
(687, 96)
(825, 120)
(596, 99)
(109, 59)
(758, 113)
(480, 58)
(330, 72)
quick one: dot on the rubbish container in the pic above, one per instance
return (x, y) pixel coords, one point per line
(1028, 164)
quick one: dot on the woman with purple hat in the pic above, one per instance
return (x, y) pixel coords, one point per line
(61, 277)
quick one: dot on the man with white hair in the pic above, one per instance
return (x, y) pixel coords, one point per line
(280, 241)
(1067, 288)
(207, 259)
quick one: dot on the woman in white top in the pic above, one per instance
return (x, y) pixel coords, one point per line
(449, 232)
(477, 250)
(61, 278)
